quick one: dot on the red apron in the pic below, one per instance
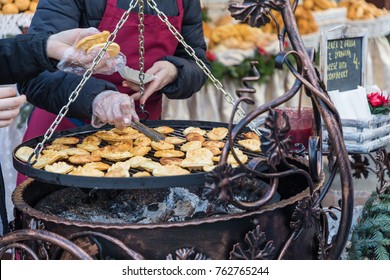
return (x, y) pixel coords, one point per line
(158, 41)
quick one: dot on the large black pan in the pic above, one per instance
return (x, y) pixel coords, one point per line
(196, 178)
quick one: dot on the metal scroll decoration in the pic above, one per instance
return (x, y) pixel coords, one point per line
(258, 247)
(221, 182)
(24, 241)
(361, 166)
(187, 254)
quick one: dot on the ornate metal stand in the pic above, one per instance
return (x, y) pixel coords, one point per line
(361, 165)
(257, 13)
(295, 227)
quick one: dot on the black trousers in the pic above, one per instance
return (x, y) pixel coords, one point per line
(3, 209)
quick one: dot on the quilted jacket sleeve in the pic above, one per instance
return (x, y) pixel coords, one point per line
(191, 78)
(23, 56)
(52, 17)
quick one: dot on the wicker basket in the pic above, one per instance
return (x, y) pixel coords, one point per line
(364, 136)
(10, 25)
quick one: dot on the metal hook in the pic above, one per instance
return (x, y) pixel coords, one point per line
(143, 114)
(30, 160)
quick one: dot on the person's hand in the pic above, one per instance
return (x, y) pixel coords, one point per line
(57, 44)
(114, 108)
(9, 105)
(61, 46)
(165, 73)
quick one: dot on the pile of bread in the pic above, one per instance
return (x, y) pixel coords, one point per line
(356, 9)
(9, 7)
(360, 9)
(129, 153)
(304, 18)
(226, 32)
(319, 5)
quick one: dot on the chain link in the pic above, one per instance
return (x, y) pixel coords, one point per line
(141, 40)
(227, 96)
(73, 96)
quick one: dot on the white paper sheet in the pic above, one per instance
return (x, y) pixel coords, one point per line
(351, 104)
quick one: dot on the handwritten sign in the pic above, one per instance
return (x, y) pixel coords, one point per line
(343, 58)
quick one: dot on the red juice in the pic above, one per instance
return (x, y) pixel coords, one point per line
(301, 123)
(300, 136)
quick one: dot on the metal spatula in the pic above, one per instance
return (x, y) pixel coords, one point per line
(149, 132)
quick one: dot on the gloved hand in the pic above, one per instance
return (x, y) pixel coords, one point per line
(114, 108)
(77, 61)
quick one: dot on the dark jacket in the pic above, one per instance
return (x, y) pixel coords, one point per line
(23, 57)
(51, 90)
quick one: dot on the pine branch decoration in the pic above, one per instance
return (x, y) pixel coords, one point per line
(371, 235)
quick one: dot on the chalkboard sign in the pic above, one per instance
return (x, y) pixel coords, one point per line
(343, 55)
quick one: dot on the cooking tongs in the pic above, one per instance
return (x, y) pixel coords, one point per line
(149, 132)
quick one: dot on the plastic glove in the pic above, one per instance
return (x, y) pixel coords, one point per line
(114, 108)
(78, 61)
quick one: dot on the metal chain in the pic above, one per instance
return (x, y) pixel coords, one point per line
(141, 40)
(73, 96)
(88, 73)
(227, 96)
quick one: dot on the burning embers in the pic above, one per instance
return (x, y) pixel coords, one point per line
(134, 207)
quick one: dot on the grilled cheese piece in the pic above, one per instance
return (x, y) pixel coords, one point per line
(140, 150)
(213, 144)
(137, 161)
(117, 172)
(169, 170)
(198, 158)
(168, 154)
(23, 153)
(171, 161)
(192, 129)
(111, 136)
(57, 154)
(217, 133)
(141, 174)
(250, 144)
(174, 140)
(193, 145)
(92, 140)
(214, 150)
(250, 135)
(83, 159)
(126, 130)
(66, 140)
(87, 171)
(164, 129)
(59, 167)
(116, 152)
(57, 147)
(46, 160)
(142, 141)
(75, 151)
(125, 165)
(98, 165)
(150, 165)
(162, 145)
(193, 136)
(88, 147)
